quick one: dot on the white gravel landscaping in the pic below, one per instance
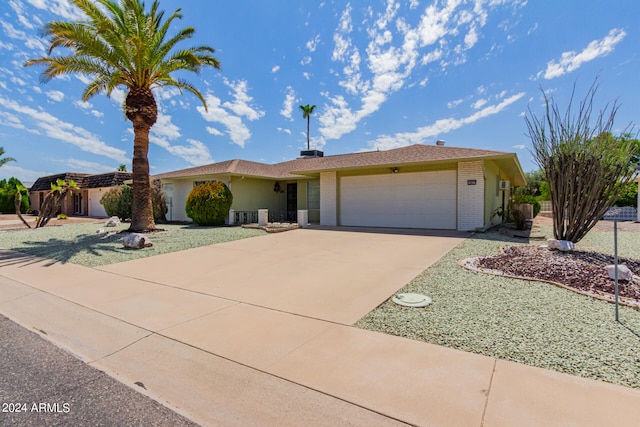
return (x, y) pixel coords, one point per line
(523, 321)
(80, 244)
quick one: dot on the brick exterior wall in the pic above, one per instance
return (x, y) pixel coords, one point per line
(328, 197)
(470, 197)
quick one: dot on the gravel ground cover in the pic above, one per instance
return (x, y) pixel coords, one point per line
(529, 322)
(80, 244)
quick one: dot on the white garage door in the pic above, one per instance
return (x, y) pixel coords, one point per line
(412, 200)
(95, 208)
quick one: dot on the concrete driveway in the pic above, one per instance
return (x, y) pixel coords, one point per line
(256, 332)
(333, 274)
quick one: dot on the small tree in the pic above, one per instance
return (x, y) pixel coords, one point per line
(21, 193)
(53, 202)
(209, 203)
(585, 165)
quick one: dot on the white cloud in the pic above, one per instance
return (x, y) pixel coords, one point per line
(97, 113)
(440, 127)
(519, 146)
(164, 131)
(236, 130)
(18, 81)
(395, 47)
(454, 103)
(196, 153)
(11, 120)
(214, 131)
(82, 104)
(55, 95)
(164, 128)
(66, 132)
(305, 60)
(24, 175)
(479, 103)
(241, 101)
(287, 104)
(62, 8)
(313, 43)
(275, 68)
(29, 41)
(287, 131)
(571, 61)
(18, 8)
(77, 165)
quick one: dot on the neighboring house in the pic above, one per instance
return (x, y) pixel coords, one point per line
(419, 186)
(86, 200)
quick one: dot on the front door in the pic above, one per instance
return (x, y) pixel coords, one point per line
(292, 202)
(77, 203)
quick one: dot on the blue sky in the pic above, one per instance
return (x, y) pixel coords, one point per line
(383, 74)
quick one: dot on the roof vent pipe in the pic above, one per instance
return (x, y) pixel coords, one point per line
(440, 143)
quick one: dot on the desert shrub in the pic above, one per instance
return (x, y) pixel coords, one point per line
(62, 216)
(628, 195)
(8, 189)
(158, 202)
(519, 199)
(117, 202)
(209, 203)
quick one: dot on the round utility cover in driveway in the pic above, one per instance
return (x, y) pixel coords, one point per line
(411, 300)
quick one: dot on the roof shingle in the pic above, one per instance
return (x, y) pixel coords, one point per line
(413, 154)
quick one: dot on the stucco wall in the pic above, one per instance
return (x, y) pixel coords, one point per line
(470, 197)
(492, 195)
(249, 194)
(328, 198)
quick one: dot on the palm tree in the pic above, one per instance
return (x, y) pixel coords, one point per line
(5, 160)
(307, 110)
(120, 44)
(122, 167)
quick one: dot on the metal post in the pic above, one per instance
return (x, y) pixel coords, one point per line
(615, 261)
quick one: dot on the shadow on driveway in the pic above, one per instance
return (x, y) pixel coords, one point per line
(62, 250)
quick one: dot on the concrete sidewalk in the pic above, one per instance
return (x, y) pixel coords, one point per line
(223, 350)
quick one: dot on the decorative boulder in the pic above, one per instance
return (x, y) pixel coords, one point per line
(136, 241)
(561, 245)
(112, 222)
(623, 272)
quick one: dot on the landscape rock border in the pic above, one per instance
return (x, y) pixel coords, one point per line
(470, 264)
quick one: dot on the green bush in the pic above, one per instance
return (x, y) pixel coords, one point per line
(209, 203)
(519, 199)
(158, 202)
(117, 202)
(8, 191)
(629, 196)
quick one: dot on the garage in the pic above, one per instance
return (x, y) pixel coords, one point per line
(95, 208)
(408, 200)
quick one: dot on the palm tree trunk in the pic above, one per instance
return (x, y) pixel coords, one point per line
(308, 122)
(141, 208)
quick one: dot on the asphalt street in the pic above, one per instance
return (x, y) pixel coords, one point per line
(41, 384)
